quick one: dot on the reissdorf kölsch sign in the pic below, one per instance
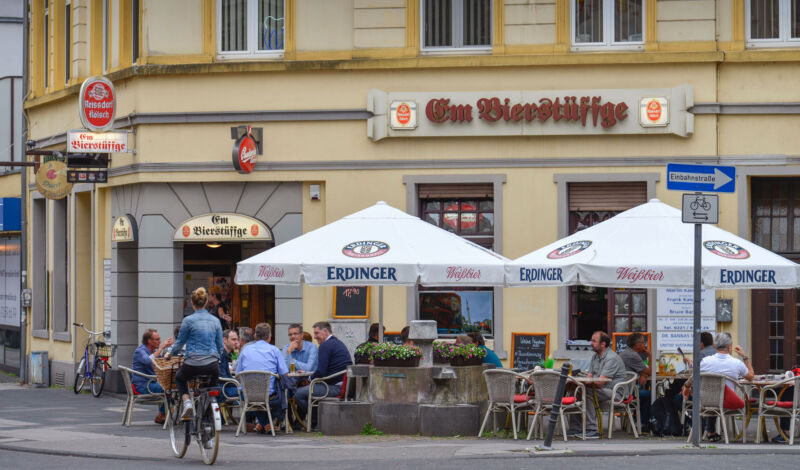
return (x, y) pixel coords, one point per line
(551, 112)
(97, 104)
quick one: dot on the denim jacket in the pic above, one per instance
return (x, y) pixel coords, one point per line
(202, 335)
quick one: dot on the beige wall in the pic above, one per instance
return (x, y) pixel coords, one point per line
(379, 23)
(80, 40)
(530, 22)
(172, 28)
(9, 185)
(686, 20)
(324, 25)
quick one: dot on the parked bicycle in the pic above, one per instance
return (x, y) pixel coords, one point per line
(94, 364)
(206, 423)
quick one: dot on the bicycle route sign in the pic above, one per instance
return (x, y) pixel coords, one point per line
(708, 178)
(700, 208)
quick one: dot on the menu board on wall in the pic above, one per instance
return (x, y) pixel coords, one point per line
(9, 281)
(351, 302)
(529, 349)
(675, 319)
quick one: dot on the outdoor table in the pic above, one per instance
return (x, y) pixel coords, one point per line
(292, 403)
(758, 383)
(662, 379)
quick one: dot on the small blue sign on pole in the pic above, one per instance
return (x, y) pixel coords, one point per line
(705, 178)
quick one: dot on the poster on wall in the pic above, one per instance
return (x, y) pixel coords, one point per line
(191, 281)
(9, 280)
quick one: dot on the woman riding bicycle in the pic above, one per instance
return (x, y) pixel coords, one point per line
(202, 334)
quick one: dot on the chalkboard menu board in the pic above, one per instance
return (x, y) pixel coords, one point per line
(529, 349)
(351, 302)
(619, 341)
(392, 337)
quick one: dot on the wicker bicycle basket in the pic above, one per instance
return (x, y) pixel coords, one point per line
(165, 370)
(103, 349)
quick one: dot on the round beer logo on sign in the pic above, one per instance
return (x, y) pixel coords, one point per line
(97, 104)
(569, 249)
(726, 249)
(403, 114)
(186, 231)
(245, 155)
(254, 230)
(51, 180)
(654, 110)
(365, 249)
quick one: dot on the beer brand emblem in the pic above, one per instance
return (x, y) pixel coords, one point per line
(365, 249)
(726, 249)
(254, 230)
(186, 231)
(569, 249)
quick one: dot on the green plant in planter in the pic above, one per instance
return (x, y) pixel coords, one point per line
(468, 351)
(442, 349)
(364, 352)
(384, 351)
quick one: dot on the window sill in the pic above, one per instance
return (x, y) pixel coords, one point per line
(64, 336)
(246, 56)
(456, 51)
(607, 48)
(771, 44)
(44, 334)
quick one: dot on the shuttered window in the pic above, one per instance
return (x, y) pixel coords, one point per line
(606, 196)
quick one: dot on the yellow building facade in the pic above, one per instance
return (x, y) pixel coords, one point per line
(320, 78)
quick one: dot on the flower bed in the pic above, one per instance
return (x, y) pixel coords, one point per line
(395, 355)
(467, 355)
(442, 352)
(363, 353)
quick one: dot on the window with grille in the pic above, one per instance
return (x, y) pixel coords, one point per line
(468, 211)
(773, 22)
(607, 23)
(456, 24)
(250, 28)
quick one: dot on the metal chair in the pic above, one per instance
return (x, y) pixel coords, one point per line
(545, 383)
(501, 385)
(712, 399)
(315, 400)
(771, 406)
(625, 399)
(228, 403)
(134, 398)
(256, 391)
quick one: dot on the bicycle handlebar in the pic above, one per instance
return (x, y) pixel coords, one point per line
(106, 334)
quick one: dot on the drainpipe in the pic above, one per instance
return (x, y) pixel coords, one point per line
(23, 239)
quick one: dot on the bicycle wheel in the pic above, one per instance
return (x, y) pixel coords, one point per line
(179, 430)
(98, 377)
(208, 432)
(80, 379)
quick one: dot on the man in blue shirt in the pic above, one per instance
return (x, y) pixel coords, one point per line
(491, 356)
(143, 362)
(333, 357)
(303, 353)
(260, 355)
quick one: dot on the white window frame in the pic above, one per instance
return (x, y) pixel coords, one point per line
(105, 35)
(608, 31)
(252, 51)
(458, 14)
(784, 28)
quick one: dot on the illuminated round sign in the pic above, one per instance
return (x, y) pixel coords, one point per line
(245, 154)
(97, 104)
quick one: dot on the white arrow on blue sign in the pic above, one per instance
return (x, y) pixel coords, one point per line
(708, 178)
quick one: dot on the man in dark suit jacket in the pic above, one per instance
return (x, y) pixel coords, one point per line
(333, 357)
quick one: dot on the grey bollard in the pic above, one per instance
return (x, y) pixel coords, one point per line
(551, 425)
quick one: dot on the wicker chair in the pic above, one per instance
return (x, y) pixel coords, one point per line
(545, 383)
(770, 405)
(315, 400)
(227, 403)
(502, 385)
(255, 390)
(625, 399)
(712, 397)
(134, 398)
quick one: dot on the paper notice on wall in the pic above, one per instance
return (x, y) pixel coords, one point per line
(106, 294)
(675, 317)
(685, 323)
(681, 302)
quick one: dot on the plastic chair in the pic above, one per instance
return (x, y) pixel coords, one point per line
(771, 406)
(314, 400)
(256, 391)
(134, 398)
(545, 383)
(501, 385)
(625, 399)
(712, 398)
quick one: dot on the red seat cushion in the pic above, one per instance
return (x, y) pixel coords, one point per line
(732, 401)
(627, 400)
(781, 404)
(135, 392)
(343, 393)
(568, 401)
(521, 398)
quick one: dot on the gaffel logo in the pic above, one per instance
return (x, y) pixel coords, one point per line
(569, 249)
(726, 249)
(365, 249)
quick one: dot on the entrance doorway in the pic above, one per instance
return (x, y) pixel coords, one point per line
(213, 266)
(610, 310)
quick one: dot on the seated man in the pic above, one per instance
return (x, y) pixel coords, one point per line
(605, 364)
(490, 357)
(260, 355)
(230, 342)
(143, 362)
(333, 358)
(302, 353)
(404, 336)
(373, 336)
(723, 363)
(632, 358)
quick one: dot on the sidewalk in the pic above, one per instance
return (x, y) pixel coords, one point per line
(58, 422)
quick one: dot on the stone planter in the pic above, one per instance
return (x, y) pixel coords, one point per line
(437, 359)
(363, 360)
(394, 362)
(463, 361)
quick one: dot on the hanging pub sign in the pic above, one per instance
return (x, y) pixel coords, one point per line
(246, 147)
(124, 229)
(51, 179)
(222, 227)
(531, 113)
(97, 104)
(95, 142)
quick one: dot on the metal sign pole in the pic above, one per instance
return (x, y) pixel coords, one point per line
(696, 427)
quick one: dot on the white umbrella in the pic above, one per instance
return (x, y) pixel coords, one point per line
(648, 246)
(379, 245)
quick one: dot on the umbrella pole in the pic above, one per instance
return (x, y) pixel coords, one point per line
(380, 314)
